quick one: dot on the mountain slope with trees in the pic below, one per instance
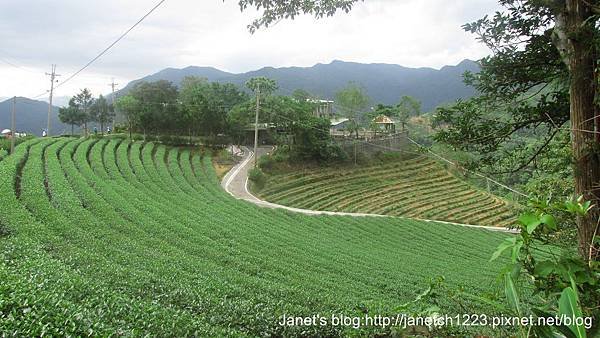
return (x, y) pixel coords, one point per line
(31, 116)
(384, 83)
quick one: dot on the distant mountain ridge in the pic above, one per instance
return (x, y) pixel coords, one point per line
(384, 83)
(31, 117)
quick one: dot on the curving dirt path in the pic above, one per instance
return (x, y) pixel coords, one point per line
(235, 182)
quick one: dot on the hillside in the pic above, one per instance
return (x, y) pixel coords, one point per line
(90, 244)
(384, 83)
(418, 188)
(31, 116)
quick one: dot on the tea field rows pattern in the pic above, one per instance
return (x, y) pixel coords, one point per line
(105, 237)
(416, 188)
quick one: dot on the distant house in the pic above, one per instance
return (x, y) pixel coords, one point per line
(323, 108)
(384, 123)
(6, 133)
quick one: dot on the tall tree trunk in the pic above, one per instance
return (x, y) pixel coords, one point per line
(72, 127)
(575, 42)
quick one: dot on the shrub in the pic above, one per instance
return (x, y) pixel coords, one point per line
(173, 140)
(257, 177)
(267, 163)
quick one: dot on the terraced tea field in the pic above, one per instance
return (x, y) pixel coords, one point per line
(107, 237)
(416, 188)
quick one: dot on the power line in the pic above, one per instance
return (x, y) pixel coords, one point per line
(17, 66)
(467, 170)
(111, 45)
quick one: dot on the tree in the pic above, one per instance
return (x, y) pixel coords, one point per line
(265, 85)
(158, 106)
(101, 112)
(72, 115)
(130, 107)
(406, 108)
(260, 86)
(205, 105)
(193, 101)
(220, 99)
(301, 95)
(84, 101)
(276, 10)
(541, 76)
(352, 101)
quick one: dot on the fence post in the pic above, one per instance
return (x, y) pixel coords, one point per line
(354, 152)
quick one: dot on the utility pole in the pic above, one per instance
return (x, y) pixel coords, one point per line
(256, 124)
(13, 127)
(52, 75)
(112, 85)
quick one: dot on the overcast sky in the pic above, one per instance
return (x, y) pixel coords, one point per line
(37, 33)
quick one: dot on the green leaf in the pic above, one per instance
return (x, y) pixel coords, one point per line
(511, 293)
(507, 243)
(549, 220)
(516, 249)
(530, 221)
(544, 268)
(568, 306)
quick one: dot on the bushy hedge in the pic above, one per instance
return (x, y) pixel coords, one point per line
(257, 177)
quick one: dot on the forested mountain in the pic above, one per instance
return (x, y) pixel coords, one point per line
(31, 116)
(384, 83)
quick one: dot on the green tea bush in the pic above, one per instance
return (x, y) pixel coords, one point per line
(113, 237)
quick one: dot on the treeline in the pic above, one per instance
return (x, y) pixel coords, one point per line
(219, 114)
(83, 109)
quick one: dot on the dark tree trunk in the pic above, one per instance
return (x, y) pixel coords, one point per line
(577, 48)
(72, 132)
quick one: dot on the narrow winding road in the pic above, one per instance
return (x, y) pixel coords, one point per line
(235, 183)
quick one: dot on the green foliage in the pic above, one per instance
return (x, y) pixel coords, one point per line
(301, 95)
(257, 177)
(83, 102)
(305, 136)
(541, 79)
(564, 284)
(274, 11)
(157, 107)
(313, 142)
(262, 85)
(129, 107)
(72, 115)
(101, 112)
(5, 142)
(406, 108)
(352, 102)
(204, 105)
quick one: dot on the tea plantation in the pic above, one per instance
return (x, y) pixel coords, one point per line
(417, 188)
(108, 237)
